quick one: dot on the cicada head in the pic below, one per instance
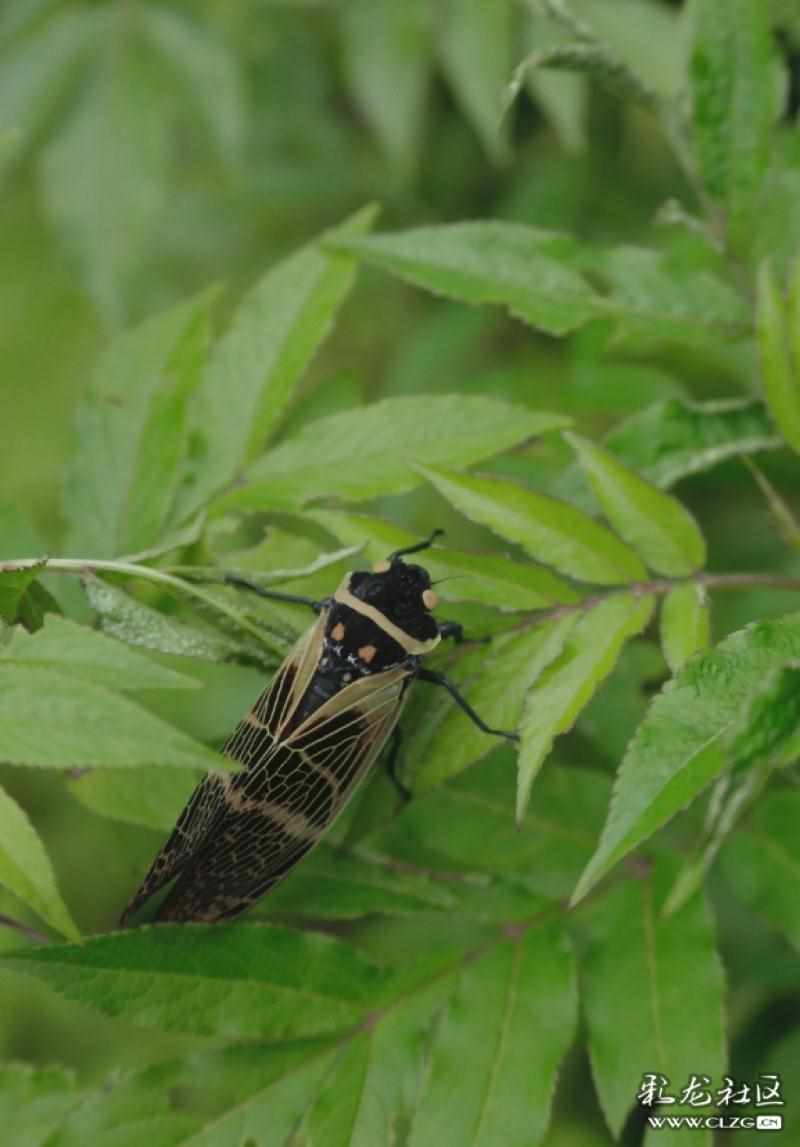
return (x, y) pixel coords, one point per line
(400, 592)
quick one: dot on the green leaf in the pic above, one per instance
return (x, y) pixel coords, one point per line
(765, 735)
(163, 446)
(250, 980)
(58, 720)
(593, 59)
(762, 862)
(34, 606)
(21, 18)
(767, 730)
(560, 95)
(783, 516)
(34, 1102)
(481, 901)
(780, 1056)
(332, 395)
(331, 884)
(628, 29)
(154, 797)
(250, 563)
(521, 268)
(14, 584)
(780, 377)
(88, 655)
(37, 72)
(612, 716)
(672, 439)
(549, 530)
(515, 1009)
(685, 624)
(375, 1086)
(111, 161)
(635, 953)
(151, 797)
(18, 538)
(475, 44)
(679, 747)
(656, 295)
(210, 713)
(542, 278)
(207, 71)
(122, 616)
(207, 1098)
(26, 871)
(468, 825)
(793, 312)
(387, 58)
(255, 367)
(485, 578)
(372, 1085)
(733, 106)
(371, 451)
(496, 689)
(126, 1115)
(656, 525)
(355, 1095)
(279, 1101)
(127, 386)
(727, 802)
(592, 648)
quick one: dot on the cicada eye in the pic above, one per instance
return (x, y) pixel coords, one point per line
(382, 566)
(429, 599)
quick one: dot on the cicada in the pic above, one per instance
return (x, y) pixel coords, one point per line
(306, 743)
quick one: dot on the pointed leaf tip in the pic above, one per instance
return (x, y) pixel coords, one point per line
(655, 524)
(551, 531)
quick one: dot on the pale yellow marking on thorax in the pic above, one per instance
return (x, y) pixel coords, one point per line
(410, 644)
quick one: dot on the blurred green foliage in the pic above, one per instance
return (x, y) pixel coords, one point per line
(625, 179)
(150, 150)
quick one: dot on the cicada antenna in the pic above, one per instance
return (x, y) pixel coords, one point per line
(424, 545)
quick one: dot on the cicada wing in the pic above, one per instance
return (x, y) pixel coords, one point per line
(207, 805)
(278, 810)
(203, 810)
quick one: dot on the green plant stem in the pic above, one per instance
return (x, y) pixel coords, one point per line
(662, 586)
(133, 569)
(785, 520)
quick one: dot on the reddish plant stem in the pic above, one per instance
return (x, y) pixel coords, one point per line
(661, 586)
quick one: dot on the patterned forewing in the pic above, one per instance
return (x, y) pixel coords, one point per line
(293, 788)
(207, 807)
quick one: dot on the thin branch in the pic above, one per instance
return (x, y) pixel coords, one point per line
(788, 526)
(24, 929)
(82, 566)
(745, 581)
(661, 586)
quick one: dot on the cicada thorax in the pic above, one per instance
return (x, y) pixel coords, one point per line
(397, 600)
